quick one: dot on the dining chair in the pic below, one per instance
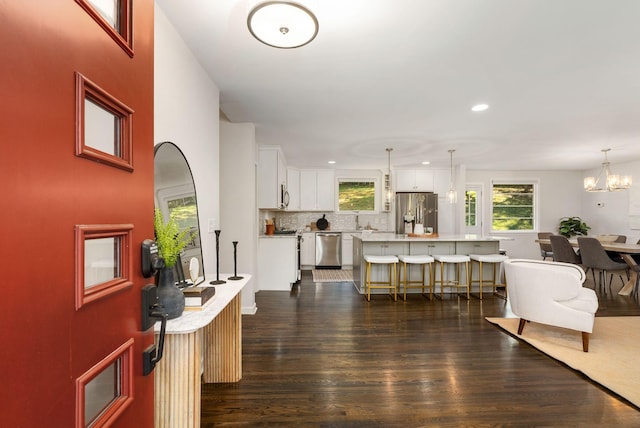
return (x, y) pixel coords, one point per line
(595, 257)
(563, 251)
(545, 249)
(621, 239)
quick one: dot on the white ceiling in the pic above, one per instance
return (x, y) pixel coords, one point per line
(562, 78)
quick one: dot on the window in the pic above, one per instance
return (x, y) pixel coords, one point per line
(103, 260)
(105, 391)
(104, 126)
(357, 194)
(115, 17)
(513, 206)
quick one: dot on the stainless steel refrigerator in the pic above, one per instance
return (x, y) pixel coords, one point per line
(416, 208)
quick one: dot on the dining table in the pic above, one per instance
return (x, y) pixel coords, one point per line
(617, 247)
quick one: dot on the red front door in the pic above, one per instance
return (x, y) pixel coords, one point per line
(74, 211)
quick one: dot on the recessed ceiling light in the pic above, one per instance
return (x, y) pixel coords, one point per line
(331, 162)
(480, 107)
(426, 163)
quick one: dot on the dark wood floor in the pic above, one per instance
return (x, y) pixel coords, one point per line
(321, 356)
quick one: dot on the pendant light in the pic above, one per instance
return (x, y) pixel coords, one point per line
(387, 182)
(612, 182)
(452, 195)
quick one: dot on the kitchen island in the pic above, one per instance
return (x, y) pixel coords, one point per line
(382, 244)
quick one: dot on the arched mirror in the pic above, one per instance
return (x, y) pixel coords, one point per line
(175, 195)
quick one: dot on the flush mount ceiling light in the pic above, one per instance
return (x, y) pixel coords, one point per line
(612, 182)
(282, 24)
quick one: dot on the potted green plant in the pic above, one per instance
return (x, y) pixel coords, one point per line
(171, 241)
(573, 226)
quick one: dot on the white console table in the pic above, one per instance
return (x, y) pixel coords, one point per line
(200, 346)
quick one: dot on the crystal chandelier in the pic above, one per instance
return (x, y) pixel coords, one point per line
(605, 181)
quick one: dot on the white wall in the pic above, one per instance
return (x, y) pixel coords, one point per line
(186, 113)
(238, 206)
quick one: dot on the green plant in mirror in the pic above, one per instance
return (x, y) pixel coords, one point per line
(171, 241)
(573, 226)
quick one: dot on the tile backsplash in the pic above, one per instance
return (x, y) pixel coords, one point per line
(337, 222)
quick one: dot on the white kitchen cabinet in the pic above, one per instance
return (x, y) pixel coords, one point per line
(347, 249)
(272, 178)
(308, 250)
(317, 190)
(277, 262)
(413, 180)
(293, 187)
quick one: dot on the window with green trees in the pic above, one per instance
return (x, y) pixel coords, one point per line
(513, 206)
(356, 195)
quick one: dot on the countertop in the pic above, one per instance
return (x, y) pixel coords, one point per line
(445, 238)
(191, 321)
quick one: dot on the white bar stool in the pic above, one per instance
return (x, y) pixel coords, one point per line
(457, 260)
(392, 263)
(422, 261)
(495, 260)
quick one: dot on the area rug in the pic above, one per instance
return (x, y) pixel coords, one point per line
(332, 275)
(612, 360)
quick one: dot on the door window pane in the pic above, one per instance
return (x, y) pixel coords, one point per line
(101, 261)
(104, 126)
(109, 10)
(471, 208)
(101, 129)
(115, 17)
(105, 390)
(101, 391)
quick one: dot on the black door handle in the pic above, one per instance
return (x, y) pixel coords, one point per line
(152, 311)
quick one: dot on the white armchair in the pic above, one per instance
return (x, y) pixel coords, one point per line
(551, 293)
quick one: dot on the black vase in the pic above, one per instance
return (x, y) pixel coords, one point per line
(170, 296)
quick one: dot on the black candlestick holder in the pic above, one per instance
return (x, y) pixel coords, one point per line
(235, 276)
(217, 280)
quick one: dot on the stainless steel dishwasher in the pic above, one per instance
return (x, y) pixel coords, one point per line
(328, 250)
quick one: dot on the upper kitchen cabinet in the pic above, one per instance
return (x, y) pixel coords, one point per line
(293, 187)
(272, 179)
(317, 190)
(414, 180)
